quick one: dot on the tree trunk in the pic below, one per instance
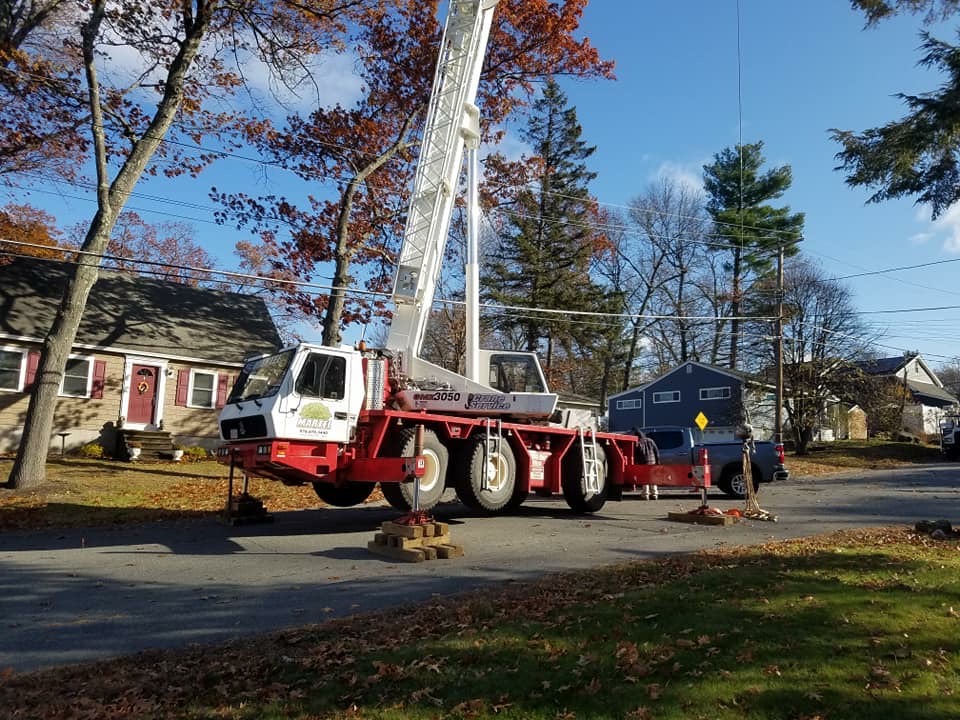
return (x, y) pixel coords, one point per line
(29, 468)
(735, 310)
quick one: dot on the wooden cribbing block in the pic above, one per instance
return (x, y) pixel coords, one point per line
(701, 519)
(429, 553)
(449, 551)
(407, 531)
(414, 555)
(430, 529)
(415, 543)
(397, 541)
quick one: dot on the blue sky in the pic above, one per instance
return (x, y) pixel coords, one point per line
(803, 68)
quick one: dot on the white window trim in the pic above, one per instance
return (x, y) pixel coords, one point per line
(24, 353)
(213, 392)
(719, 387)
(634, 404)
(657, 397)
(91, 363)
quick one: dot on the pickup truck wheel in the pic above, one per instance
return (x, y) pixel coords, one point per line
(498, 470)
(573, 482)
(432, 484)
(731, 482)
(345, 495)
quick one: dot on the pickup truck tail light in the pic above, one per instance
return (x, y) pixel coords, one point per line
(778, 449)
(703, 456)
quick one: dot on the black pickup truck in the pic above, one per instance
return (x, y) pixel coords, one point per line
(678, 446)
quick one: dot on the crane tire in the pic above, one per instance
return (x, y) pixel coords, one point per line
(573, 482)
(500, 471)
(433, 482)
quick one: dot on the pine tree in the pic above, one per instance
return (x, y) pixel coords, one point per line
(750, 230)
(543, 261)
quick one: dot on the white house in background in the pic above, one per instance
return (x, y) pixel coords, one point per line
(930, 401)
(150, 355)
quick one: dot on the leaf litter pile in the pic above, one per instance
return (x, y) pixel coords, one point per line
(857, 624)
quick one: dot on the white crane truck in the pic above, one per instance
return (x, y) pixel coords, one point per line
(344, 419)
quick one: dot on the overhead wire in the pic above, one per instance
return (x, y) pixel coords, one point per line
(339, 146)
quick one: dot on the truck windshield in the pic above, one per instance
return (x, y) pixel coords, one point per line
(261, 377)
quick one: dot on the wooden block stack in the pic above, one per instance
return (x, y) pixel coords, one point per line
(415, 543)
(702, 518)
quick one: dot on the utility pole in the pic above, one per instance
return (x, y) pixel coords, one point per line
(778, 411)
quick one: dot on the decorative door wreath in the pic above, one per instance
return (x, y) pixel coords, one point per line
(143, 386)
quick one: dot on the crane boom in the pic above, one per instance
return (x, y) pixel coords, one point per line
(452, 117)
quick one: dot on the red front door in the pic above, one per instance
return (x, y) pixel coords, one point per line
(143, 395)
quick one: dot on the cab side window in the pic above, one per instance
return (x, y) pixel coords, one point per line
(323, 376)
(308, 381)
(514, 374)
(334, 378)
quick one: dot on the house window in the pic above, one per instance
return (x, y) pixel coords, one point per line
(636, 404)
(715, 393)
(76, 377)
(668, 396)
(11, 369)
(203, 389)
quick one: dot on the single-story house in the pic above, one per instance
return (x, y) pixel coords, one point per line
(928, 400)
(150, 355)
(720, 397)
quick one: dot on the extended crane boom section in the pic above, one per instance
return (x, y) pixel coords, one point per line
(451, 114)
(452, 121)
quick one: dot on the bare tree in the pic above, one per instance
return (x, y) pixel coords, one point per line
(658, 266)
(183, 49)
(822, 336)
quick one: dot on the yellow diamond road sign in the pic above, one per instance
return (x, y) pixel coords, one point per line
(701, 421)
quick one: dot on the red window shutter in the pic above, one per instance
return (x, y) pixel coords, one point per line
(33, 362)
(99, 373)
(183, 384)
(223, 387)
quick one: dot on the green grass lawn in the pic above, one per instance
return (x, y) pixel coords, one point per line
(858, 625)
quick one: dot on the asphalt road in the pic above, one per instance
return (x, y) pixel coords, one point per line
(75, 595)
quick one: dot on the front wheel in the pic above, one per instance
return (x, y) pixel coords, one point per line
(574, 481)
(433, 482)
(344, 496)
(486, 480)
(731, 482)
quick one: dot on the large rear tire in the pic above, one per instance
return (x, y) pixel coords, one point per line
(574, 482)
(499, 471)
(345, 495)
(433, 482)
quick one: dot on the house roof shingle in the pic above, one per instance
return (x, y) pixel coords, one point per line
(930, 394)
(137, 314)
(883, 366)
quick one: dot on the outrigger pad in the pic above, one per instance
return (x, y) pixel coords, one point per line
(247, 510)
(414, 543)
